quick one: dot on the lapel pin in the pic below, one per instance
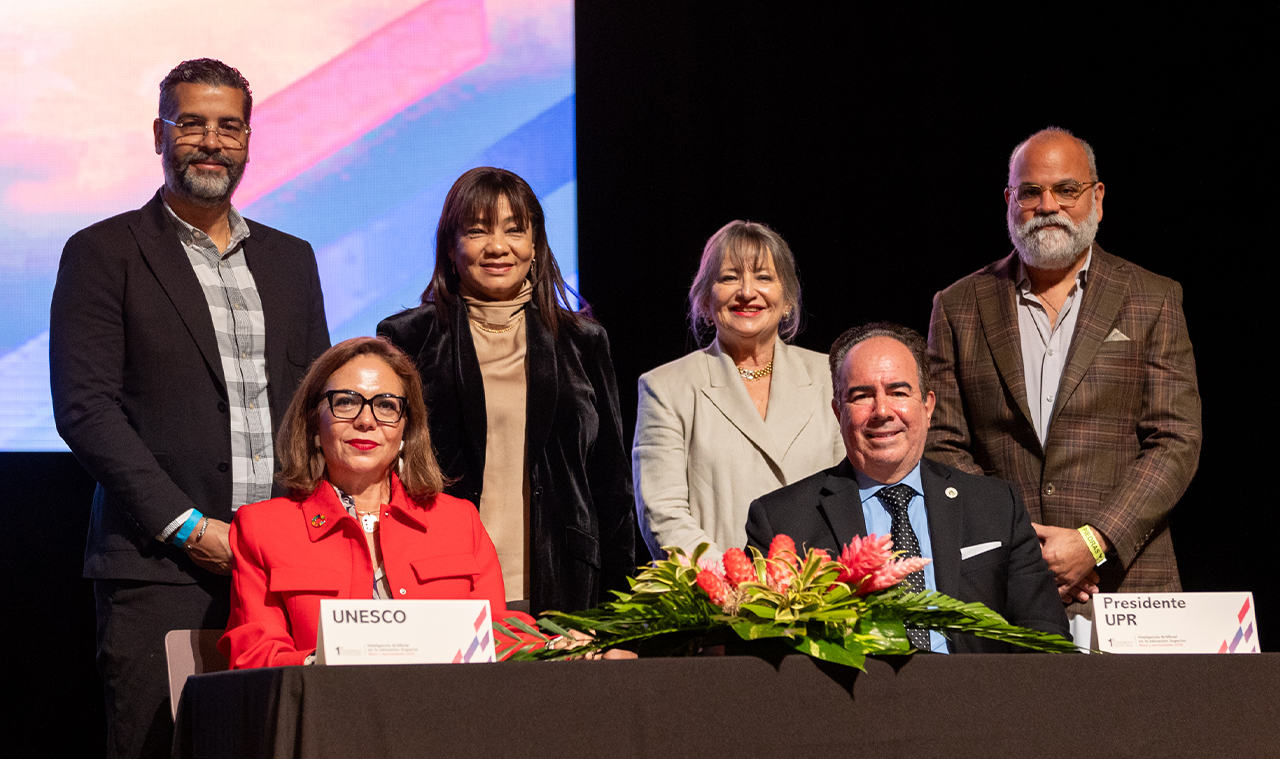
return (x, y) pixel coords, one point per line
(952, 492)
(318, 520)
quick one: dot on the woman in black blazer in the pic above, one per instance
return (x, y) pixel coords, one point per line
(522, 397)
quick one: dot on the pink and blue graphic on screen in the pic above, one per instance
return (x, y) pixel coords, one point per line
(355, 156)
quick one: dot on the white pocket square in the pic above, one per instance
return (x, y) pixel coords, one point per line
(968, 552)
(1116, 336)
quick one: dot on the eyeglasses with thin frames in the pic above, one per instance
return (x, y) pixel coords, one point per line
(1067, 194)
(191, 132)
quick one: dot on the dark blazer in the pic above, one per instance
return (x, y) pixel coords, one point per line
(582, 517)
(138, 391)
(824, 511)
(1124, 438)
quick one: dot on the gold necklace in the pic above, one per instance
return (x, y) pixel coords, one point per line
(492, 331)
(754, 374)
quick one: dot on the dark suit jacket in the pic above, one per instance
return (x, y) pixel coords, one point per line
(582, 517)
(824, 511)
(1124, 438)
(138, 391)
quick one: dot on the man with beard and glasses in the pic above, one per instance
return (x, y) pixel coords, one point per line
(1068, 372)
(178, 333)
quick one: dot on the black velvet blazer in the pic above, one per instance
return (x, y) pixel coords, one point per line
(581, 503)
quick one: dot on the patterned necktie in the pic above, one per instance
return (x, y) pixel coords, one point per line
(895, 498)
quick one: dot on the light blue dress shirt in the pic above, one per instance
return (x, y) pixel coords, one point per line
(880, 522)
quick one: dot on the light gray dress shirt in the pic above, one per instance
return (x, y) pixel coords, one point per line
(1045, 345)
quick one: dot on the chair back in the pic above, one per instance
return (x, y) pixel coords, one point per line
(191, 652)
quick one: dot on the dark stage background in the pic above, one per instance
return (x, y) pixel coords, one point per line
(877, 147)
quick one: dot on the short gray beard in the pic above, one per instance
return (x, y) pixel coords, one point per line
(203, 190)
(1052, 249)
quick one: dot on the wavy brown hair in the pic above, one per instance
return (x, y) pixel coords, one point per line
(475, 197)
(302, 465)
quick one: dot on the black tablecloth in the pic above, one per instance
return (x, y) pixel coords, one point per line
(926, 706)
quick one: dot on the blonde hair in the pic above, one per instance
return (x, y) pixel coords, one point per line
(745, 244)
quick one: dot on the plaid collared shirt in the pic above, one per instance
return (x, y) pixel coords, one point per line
(236, 311)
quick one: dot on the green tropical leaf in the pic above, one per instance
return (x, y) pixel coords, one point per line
(837, 615)
(760, 611)
(520, 624)
(826, 650)
(550, 625)
(838, 592)
(761, 565)
(748, 631)
(889, 634)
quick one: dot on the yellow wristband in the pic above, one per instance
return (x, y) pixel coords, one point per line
(1095, 548)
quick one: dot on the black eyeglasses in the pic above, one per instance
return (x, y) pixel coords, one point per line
(1067, 194)
(192, 131)
(348, 404)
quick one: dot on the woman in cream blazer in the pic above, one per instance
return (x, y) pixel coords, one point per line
(740, 418)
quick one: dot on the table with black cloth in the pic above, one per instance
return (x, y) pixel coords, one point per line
(1032, 705)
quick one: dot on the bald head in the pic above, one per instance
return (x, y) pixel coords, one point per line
(1053, 137)
(1057, 226)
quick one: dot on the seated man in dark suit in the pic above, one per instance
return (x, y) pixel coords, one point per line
(974, 529)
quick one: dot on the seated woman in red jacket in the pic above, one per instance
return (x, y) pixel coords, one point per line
(366, 518)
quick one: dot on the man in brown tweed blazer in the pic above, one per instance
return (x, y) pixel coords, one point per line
(1068, 372)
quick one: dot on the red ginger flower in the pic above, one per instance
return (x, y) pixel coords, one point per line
(891, 574)
(738, 568)
(714, 586)
(783, 547)
(863, 556)
(822, 556)
(711, 565)
(780, 576)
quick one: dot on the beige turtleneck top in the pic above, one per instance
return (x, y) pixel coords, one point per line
(498, 331)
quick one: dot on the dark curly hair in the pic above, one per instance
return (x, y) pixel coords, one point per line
(202, 71)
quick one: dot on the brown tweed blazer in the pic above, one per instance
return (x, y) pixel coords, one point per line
(1124, 438)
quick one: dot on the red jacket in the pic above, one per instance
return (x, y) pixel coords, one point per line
(291, 554)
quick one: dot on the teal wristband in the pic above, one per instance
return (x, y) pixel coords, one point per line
(184, 531)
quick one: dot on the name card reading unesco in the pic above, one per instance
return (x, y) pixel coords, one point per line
(368, 616)
(404, 632)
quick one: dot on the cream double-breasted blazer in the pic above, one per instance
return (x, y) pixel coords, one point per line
(702, 453)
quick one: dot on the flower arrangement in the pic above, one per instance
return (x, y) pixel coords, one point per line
(839, 610)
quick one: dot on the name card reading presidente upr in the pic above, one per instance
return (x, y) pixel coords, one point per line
(404, 632)
(1176, 623)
